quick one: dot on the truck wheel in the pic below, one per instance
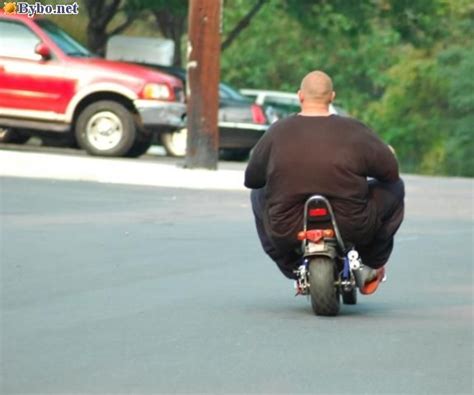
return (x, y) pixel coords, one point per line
(322, 287)
(175, 142)
(140, 146)
(12, 136)
(106, 128)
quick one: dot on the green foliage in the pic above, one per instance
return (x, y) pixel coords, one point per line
(174, 7)
(404, 67)
(408, 115)
(427, 110)
(307, 37)
(419, 22)
(328, 17)
(460, 141)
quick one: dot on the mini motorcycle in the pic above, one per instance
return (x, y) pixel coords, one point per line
(329, 269)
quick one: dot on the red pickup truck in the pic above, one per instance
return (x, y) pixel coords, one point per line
(49, 83)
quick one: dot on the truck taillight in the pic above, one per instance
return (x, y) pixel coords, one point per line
(257, 114)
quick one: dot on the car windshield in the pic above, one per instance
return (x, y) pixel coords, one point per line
(227, 92)
(63, 40)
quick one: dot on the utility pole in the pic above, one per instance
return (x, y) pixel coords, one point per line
(203, 69)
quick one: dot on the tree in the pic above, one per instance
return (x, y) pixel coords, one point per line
(173, 25)
(403, 66)
(427, 110)
(171, 19)
(408, 115)
(242, 24)
(101, 13)
(456, 63)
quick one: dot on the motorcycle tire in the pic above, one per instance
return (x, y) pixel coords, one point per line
(322, 286)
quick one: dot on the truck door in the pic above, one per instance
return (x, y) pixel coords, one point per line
(30, 86)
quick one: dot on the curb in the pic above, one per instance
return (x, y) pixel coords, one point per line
(115, 171)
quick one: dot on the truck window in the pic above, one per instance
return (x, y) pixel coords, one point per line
(283, 105)
(63, 40)
(17, 41)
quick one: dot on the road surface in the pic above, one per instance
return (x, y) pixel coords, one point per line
(109, 289)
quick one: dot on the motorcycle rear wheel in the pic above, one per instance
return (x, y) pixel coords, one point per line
(322, 286)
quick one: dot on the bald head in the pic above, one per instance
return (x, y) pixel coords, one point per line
(316, 87)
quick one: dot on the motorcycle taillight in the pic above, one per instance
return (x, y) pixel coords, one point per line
(316, 234)
(317, 212)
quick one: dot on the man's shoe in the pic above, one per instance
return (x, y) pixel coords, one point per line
(372, 281)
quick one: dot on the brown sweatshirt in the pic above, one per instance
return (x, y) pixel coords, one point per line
(300, 156)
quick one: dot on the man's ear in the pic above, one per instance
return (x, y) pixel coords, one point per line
(333, 96)
(300, 96)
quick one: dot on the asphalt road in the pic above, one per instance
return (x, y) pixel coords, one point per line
(125, 289)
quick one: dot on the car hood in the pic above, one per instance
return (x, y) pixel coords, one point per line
(127, 70)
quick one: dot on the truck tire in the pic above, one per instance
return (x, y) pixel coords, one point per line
(140, 146)
(12, 136)
(106, 128)
(175, 142)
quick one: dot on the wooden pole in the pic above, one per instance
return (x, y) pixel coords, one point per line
(203, 69)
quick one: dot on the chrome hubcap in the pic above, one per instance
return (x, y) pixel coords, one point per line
(104, 130)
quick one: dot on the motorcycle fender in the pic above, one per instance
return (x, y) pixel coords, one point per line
(320, 250)
(329, 254)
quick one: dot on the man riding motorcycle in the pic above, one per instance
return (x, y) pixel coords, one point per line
(315, 152)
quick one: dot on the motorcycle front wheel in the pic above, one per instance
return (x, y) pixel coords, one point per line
(322, 286)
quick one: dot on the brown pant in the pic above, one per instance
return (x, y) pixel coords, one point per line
(388, 199)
